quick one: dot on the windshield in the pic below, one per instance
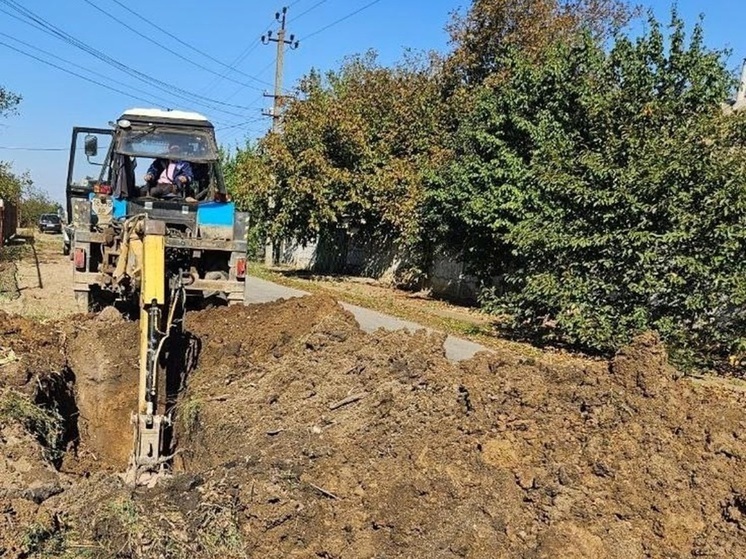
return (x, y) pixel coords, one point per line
(54, 218)
(170, 143)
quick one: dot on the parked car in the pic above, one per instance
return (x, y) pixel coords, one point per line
(50, 223)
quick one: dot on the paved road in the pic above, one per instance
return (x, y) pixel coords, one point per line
(262, 291)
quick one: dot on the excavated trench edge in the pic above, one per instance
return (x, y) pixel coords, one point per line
(56, 393)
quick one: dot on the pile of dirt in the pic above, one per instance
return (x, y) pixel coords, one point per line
(299, 435)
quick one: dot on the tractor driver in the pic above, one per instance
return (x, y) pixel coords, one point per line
(169, 175)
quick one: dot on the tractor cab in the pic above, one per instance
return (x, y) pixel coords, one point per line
(108, 166)
(115, 161)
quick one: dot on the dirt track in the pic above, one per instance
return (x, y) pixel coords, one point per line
(44, 281)
(299, 435)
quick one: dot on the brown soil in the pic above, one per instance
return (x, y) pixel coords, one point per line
(38, 285)
(301, 436)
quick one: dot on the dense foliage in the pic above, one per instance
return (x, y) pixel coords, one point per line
(19, 188)
(490, 28)
(353, 152)
(592, 182)
(10, 184)
(34, 203)
(603, 192)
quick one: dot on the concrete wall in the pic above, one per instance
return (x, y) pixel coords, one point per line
(447, 277)
(379, 259)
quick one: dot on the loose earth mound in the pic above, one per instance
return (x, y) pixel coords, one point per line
(298, 435)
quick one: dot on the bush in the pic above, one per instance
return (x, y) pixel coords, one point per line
(601, 194)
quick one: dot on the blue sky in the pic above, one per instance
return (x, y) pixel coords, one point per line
(54, 102)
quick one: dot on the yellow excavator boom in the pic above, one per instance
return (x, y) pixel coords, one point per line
(147, 421)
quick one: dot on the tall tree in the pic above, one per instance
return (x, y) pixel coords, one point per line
(353, 151)
(605, 192)
(490, 28)
(10, 184)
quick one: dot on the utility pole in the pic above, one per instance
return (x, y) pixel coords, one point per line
(277, 98)
(281, 41)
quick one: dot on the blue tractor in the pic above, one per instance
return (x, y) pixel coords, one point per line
(109, 202)
(156, 245)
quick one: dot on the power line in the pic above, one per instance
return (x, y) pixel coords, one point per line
(233, 65)
(17, 148)
(53, 65)
(236, 62)
(46, 27)
(187, 45)
(242, 56)
(238, 124)
(316, 5)
(160, 100)
(166, 48)
(340, 20)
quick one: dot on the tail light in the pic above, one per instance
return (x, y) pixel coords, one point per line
(79, 259)
(102, 189)
(241, 268)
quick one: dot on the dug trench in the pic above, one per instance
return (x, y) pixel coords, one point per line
(299, 435)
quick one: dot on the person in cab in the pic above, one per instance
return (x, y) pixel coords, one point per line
(169, 177)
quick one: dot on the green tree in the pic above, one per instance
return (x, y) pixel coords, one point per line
(34, 203)
(602, 193)
(491, 28)
(10, 184)
(353, 152)
(248, 181)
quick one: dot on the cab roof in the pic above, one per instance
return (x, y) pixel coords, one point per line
(164, 116)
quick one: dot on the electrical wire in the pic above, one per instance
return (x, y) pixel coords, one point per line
(39, 23)
(239, 124)
(264, 69)
(161, 101)
(248, 50)
(187, 45)
(15, 148)
(316, 5)
(164, 47)
(138, 75)
(53, 65)
(340, 20)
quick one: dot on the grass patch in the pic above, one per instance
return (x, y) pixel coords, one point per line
(222, 537)
(188, 411)
(125, 513)
(13, 253)
(46, 425)
(43, 541)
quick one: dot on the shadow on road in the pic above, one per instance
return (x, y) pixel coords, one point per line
(30, 241)
(16, 249)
